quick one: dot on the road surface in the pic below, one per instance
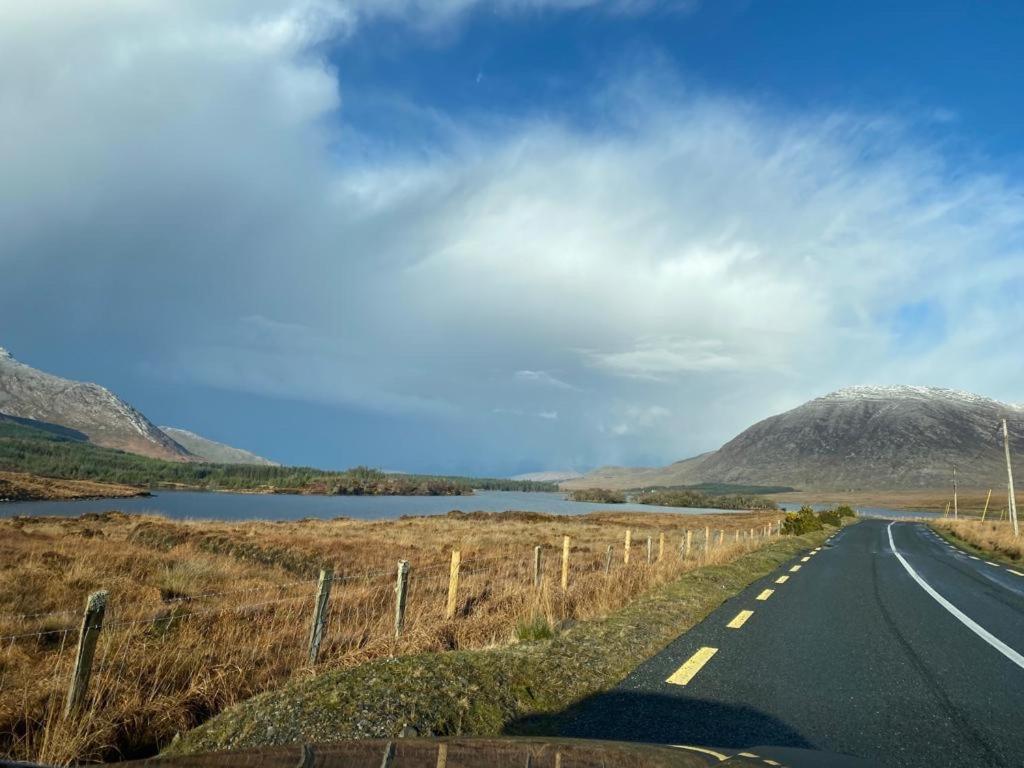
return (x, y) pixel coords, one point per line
(905, 658)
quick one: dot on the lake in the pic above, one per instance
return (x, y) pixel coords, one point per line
(196, 505)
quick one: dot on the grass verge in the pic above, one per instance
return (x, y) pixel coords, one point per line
(482, 692)
(991, 540)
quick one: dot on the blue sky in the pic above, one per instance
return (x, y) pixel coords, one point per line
(492, 238)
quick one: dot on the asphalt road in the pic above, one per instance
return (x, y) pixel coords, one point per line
(850, 654)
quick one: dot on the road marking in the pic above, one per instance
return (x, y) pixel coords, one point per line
(966, 620)
(691, 666)
(770, 762)
(804, 559)
(989, 562)
(719, 755)
(973, 557)
(766, 594)
(784, 579)
(1015, 573)
(740, 619)
(794, 569)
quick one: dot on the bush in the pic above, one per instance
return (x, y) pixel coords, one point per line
(799, 523)
(831, 517)
(845, 511)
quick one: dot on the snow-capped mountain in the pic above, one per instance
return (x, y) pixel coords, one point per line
(96, 412)
(857, 438)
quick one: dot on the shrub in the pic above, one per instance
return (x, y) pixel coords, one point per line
(799, 523)
(831, 517)
(845, 511)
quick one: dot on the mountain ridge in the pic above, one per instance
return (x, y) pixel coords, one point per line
(93, 410)
(212, 450)
(896, 437)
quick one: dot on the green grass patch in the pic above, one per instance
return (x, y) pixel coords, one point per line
(484, 692)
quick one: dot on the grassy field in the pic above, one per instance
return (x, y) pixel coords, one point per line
(994, 539)
(203, 615)
(522, 689)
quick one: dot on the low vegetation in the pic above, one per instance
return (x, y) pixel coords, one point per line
(993, 538)
(806, 520)
(63, 456)
(687, 497)
(598, 495)
(204, 615)
(18, 486)
(521, 689)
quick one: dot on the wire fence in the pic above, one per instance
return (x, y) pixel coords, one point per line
(159, 669)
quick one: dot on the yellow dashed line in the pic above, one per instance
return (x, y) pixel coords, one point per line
(794, 569)
(740, 619)
(766, 594)
(691, 666)
(719, 755)
(782, 579)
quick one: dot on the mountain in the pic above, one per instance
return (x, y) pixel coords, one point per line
(551, 476)
(211, 450)
(858, 438)
(88, 409)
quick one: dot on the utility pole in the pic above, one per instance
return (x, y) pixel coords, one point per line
(1009, 480)
(956, 508)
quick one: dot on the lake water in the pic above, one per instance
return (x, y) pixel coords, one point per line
(247, 506)
(194, 505)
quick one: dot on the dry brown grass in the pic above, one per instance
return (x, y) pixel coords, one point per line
(205, 614)
(19, 486)
(992, 536)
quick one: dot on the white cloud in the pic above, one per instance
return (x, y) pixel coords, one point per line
(542, 377)
(713, 258)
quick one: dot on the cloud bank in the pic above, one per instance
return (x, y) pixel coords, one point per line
(646, 287)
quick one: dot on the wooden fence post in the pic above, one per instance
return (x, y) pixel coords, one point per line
(536, 567)
(92, 623)
(316, 631)
(453, 584)
(608, 561)
(401, 589)
(661, 547)
(565, 563)
(985, 510)
(721, 537)
(629, 543)
(689, 541)
(707, 539)
(650, 549)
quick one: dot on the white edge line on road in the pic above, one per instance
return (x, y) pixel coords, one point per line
(964, 619)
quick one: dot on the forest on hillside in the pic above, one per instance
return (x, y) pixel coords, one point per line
(50, 454)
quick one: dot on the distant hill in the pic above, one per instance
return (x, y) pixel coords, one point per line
(858, 438)
(85, 408)
(211, 450)
(551, 476)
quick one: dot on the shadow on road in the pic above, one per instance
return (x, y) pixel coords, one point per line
(653, 718)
